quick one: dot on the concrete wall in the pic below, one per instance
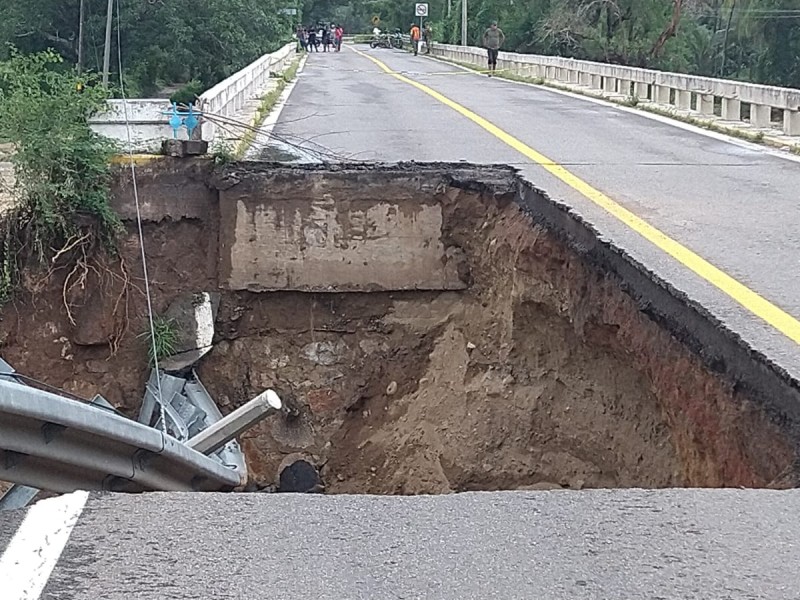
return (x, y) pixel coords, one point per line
(148, 118)
(669, 90)
(148, 123)
(326, 234)
(347, 230)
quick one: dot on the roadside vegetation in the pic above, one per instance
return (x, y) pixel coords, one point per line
(62, 170)
(162, 341)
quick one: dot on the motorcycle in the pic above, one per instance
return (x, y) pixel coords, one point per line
(381, 42)
(397, 40)
(388, 40)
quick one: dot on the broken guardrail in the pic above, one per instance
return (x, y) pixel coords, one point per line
(55, 443)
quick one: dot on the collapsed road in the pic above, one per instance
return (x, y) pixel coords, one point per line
(432, 329)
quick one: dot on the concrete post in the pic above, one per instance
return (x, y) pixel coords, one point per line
(705, 104)
(642, 90)
(661, 94)
(610, 85)
(791, 122)
(223, 431)
(625, 87)
(683, 99)
(760, 116)
(731, 109)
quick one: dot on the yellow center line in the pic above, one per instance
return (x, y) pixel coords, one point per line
(752, 301)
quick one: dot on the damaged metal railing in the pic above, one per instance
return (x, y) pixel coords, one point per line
(52, 442)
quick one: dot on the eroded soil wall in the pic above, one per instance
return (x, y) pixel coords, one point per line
(560, 363)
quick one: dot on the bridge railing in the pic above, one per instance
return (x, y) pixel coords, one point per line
(704, 95)
(229, 95)
(149, 117)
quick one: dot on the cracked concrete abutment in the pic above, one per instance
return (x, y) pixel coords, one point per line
(434, 328)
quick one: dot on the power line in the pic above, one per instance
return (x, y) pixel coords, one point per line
(148, 295)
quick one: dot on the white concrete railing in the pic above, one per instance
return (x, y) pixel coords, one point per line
(148, 117)
(670, 90)
(229, 95)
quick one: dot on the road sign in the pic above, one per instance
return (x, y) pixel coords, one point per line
(421, 9)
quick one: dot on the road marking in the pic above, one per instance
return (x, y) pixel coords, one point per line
(33, 552)
(641, 112)
(749, 299)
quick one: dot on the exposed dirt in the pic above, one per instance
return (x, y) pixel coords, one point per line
(544, 373)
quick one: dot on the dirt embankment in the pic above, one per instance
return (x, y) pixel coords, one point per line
(542, 373)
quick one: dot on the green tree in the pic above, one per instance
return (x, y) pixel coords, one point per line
(62, 167)
(163, 42)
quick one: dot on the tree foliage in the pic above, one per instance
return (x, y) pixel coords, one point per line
(755, 40)
(163, 42)
(62, 167)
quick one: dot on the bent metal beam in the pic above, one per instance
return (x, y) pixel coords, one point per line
(51, 442)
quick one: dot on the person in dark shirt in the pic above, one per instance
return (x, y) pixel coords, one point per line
(493, 39)
(312, 40)
(326, 38)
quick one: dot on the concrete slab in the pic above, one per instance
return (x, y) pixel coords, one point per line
(333, 235)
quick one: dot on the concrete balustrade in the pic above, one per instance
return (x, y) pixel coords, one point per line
(656, 87)
(229, 95)
(148, 118)
(731, 109)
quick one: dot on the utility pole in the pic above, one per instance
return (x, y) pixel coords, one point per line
(725, 43)
(107, 49)
(449, 8)
(80, 36)
(464, 36)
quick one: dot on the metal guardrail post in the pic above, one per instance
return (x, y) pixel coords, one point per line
(220, 433)
(19, 496)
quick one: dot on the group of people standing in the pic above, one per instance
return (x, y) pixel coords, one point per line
(327, 36)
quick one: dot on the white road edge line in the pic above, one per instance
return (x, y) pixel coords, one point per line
(33, 552)
(722, 137)
(275, 114)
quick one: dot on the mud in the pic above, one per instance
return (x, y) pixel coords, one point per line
(545, 372)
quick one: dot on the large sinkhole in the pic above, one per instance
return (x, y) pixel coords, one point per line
(432, 328)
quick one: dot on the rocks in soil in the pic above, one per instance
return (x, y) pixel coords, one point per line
(325, 353)
(193, 316)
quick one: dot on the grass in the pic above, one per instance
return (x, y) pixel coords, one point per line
(164, 341)
(268, 102)
(757, 137)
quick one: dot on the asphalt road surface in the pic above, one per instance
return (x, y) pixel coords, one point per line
(617, 544)
(733, 203)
